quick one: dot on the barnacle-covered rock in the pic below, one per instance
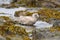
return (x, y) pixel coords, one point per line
(12, 32)
(2, 38)
(22, 13)
(5, 18)
(46, 14)
(28, 14)
(46, 34)
(38, 3)
(55, 22)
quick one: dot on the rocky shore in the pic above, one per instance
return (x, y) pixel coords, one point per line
(46, 26)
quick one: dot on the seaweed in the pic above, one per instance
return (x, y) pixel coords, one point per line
(8, 30)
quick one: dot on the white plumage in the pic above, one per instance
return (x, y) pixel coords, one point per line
(42, 24)
(29, 20)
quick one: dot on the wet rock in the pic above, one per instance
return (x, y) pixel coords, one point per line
(36, 35)
(4, 19)
(2, 38)
(48, 4)
(17, 38)
(45, 34)
(55, 22)
(12, 32)
(39, 3)
(20, 13)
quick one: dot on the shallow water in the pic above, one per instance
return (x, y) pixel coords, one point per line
(11, 11)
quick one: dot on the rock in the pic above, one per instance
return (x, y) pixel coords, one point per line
(36, 35)
(20, 13)
(17, 38)
(4, 19)
(12, 32)
(45, 34)
(55, 22)
(48, 4)
(2, 38)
